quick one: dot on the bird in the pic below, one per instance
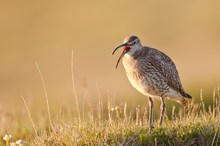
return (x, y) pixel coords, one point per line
(152, 73)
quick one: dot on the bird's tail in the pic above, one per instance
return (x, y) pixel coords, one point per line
(188, 96)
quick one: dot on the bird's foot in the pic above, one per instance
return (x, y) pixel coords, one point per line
(151, 128)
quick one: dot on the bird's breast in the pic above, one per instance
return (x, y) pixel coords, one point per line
(136, 76)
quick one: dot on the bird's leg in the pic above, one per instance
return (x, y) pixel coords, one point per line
(150, 113)
(162, 107)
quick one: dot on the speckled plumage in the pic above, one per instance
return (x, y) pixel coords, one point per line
(152, 73)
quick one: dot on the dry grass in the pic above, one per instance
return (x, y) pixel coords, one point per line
(196, 124)
(192, 125)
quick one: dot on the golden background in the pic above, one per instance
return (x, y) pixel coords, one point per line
(47, 31)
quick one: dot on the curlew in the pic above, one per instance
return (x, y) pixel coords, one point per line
(152, 73)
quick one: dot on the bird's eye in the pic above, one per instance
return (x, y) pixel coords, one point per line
(135, 42)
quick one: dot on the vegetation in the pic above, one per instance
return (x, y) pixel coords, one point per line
(195, 124)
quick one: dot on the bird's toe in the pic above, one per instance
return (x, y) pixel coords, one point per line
(151, 128)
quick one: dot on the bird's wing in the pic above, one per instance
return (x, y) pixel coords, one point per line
(165, 66)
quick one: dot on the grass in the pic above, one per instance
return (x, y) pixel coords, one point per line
(195, 124)
(192, 125)
(201, 132)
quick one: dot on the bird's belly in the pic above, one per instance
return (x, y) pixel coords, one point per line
(142, 85)
(140, 81)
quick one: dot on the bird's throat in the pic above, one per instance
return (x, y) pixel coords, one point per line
(127, 48)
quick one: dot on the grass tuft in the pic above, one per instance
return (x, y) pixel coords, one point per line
(192, 125)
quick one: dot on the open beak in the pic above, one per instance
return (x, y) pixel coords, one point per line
(122, 54)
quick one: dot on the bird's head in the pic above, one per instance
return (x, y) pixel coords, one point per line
(130, 46)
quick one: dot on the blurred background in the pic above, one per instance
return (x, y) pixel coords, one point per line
(48, 31)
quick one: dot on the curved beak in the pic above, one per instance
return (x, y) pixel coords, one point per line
(123, 53)
(123, 45)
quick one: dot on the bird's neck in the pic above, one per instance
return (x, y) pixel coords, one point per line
(135, 53)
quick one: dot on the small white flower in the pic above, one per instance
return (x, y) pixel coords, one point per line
(19, 142)
(7, 137)
(114, 108)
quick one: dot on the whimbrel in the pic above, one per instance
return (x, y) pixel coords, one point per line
(152, 73)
